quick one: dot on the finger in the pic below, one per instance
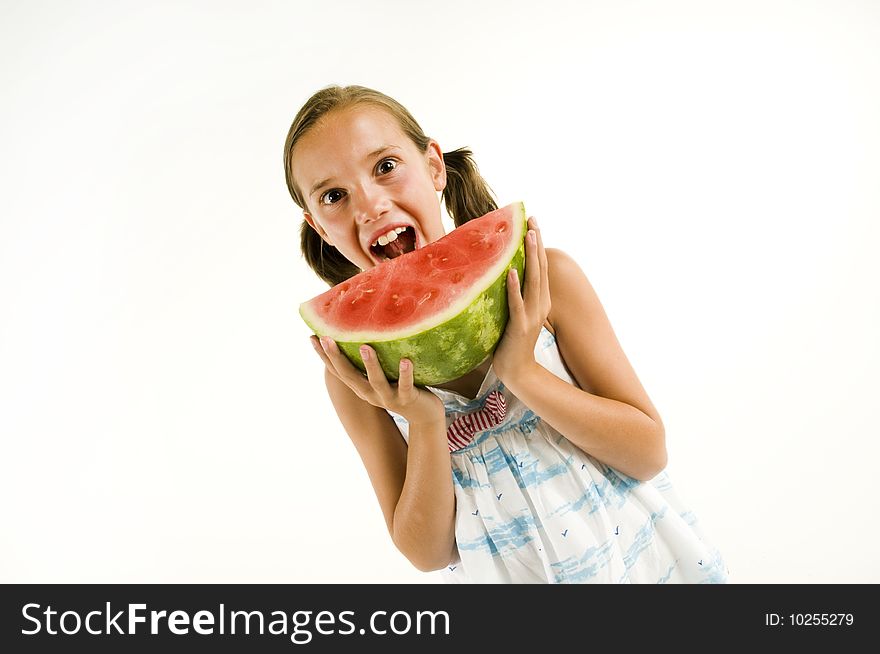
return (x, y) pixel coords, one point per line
(534, 271)
(542, 254)
(533, 223)
(514, 298)
(375, 373)
(545, 278)
(319, 348)
(343, 368)
(405, 381)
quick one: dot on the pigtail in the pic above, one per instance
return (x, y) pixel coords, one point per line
(327, 262)
(467, 195)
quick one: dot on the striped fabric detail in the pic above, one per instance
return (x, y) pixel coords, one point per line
(462, 430)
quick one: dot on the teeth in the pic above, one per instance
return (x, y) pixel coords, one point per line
(385, 239)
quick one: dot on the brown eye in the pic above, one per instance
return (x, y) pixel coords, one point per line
(331, 197)
(386, 166)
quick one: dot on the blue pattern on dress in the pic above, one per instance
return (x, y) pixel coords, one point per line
(533, 507)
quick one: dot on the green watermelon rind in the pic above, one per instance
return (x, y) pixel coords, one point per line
(461, 344)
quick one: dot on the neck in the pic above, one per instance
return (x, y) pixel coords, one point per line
(469, 383)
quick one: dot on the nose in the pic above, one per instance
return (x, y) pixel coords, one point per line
(372, 203)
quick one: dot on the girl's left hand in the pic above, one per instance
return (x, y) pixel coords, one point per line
(528, 311)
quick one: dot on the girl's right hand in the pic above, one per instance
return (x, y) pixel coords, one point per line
(415, 404)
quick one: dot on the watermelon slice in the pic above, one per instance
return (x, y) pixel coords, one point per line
(443, 306)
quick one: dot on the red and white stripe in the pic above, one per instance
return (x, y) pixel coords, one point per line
(462, 430)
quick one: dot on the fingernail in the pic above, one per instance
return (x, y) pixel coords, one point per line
(531, 236)
(404, 364)
(513, 274)
(365, 352)
(534, 222)
(325, 343)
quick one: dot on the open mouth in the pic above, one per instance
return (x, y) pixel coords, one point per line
(396, 242)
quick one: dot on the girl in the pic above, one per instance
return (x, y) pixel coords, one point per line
(555, 450)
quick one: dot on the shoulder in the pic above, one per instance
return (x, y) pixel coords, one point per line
(586, 340)
(561, 262)
(575, 309)
(568, 283)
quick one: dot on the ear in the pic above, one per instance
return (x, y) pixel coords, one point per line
(436, 165)
(316, 227)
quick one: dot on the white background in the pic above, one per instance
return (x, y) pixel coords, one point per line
(713, 167)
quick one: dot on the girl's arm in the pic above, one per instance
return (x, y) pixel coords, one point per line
(610, 416)
(413, 484)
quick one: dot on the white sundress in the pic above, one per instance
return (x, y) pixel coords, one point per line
(531, 507)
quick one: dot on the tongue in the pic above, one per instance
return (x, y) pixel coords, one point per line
(403, 243)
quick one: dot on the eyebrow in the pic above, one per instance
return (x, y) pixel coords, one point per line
(371, 155)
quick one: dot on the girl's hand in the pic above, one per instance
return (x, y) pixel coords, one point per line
(415, 404)
(516, 351)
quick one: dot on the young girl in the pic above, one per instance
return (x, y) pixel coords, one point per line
(542, 465)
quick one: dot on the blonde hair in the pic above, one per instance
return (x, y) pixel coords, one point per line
(466, 196)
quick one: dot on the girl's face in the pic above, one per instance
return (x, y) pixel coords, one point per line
(363, 179)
